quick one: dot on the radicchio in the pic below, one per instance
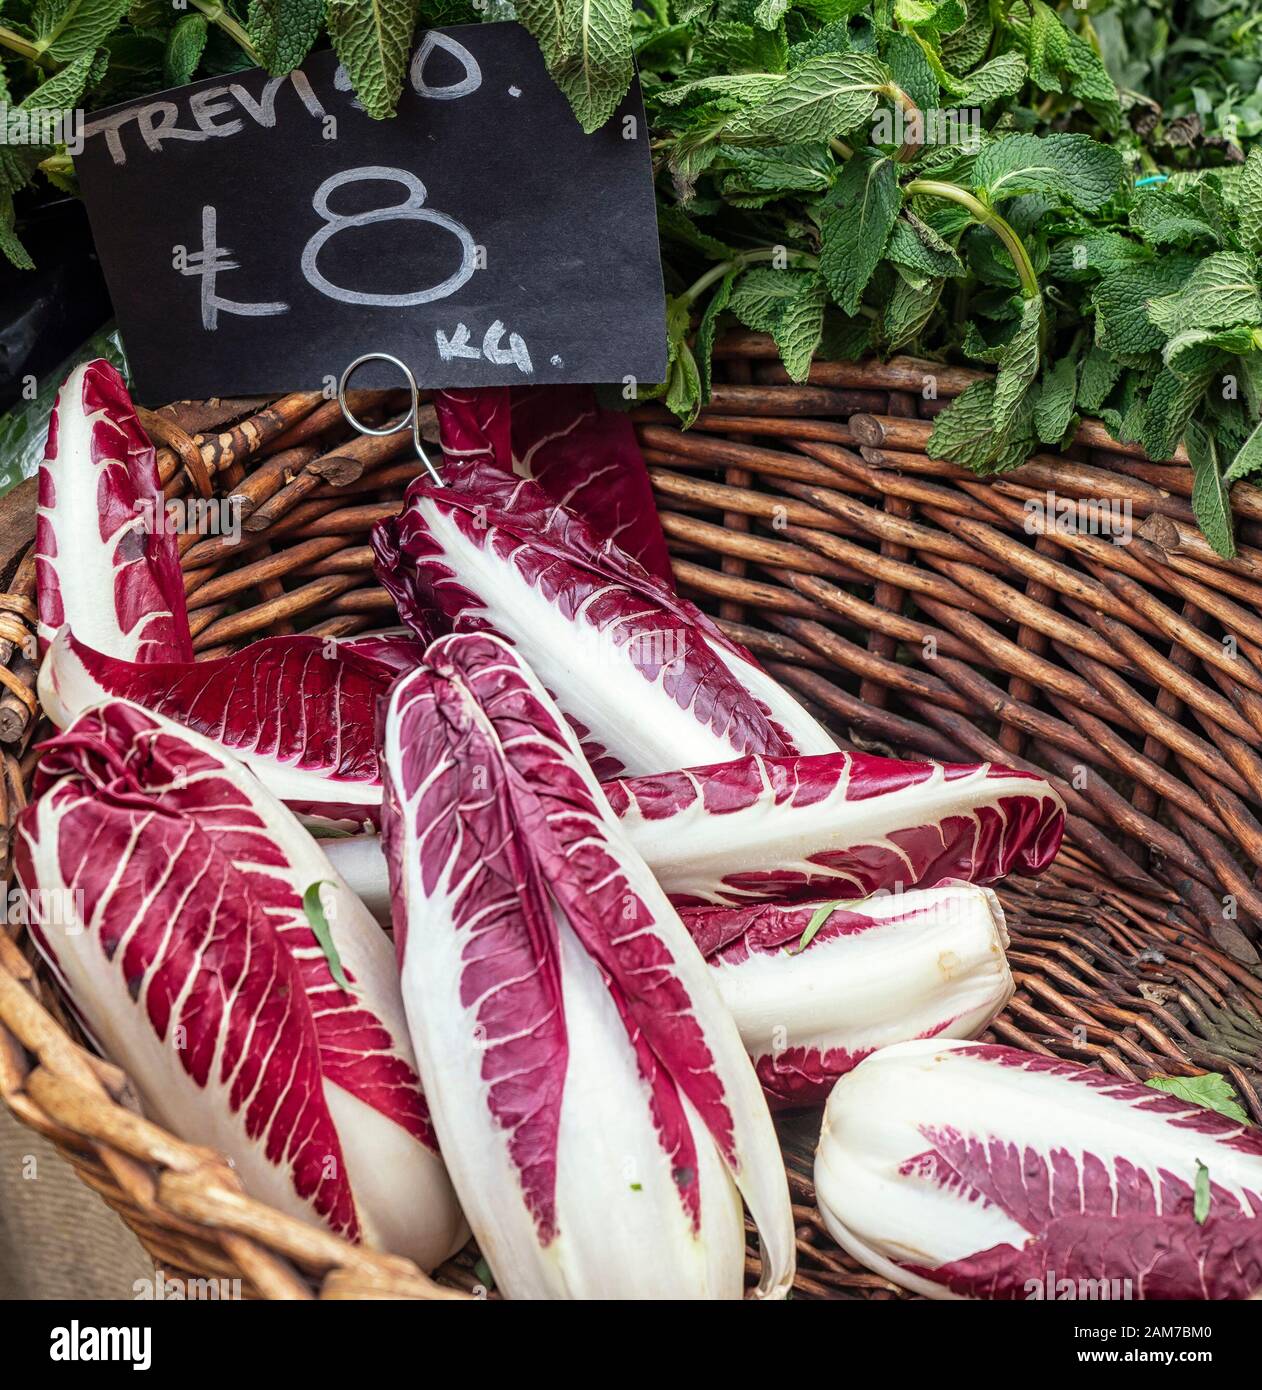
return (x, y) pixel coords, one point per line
(842, 825)
(646, 679)
(590, 1092)
(105, 562)
(923, 964)
(298, 711)
(167, 889)
(960, 1170)
(788, 829)
(585, 458)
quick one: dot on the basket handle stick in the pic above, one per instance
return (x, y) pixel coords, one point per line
(413, 416)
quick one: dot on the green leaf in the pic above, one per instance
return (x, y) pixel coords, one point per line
(1249, 203)
(1202, 1196)
(1089, 253)
(184, 49)
(586, 45)
(821, 915)
(1097, 378)
(1003, 76)
(769, 13)
(964, 432)
(860, 216)
(801, 168)
(800, 327)
(373, 39)
(1120, 301)
(10, 246)
(910, 307)
(1212, 1090)
(911, 69)
(1046, 42)
(1074, 169)
(704, 349)
(1090, 82)
(916, 246)
(683, 379)
(1220, 293)
(1248, 461)
(283, 31)
(319, 925)
(1166, 218)
(1019, 364)
(1054, 411)
(67, 29)
(937, 16)
(63, 90)
(1211, 504)
(821, 99)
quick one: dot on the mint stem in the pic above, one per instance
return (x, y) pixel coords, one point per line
(763, 253)
(985, 217)
(218, 14)
(17, 44)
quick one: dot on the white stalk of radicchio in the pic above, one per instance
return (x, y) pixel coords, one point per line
(961, 1170)
(646, 679)
(590, 1092)
(298, 711)
(212, 952)
(106, 563)
(843, 825)
(817, 988)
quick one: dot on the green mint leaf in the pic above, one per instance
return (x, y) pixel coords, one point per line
(185, 44)
(319, 925)
(1212, 1090)
(283, 31)
(1091, 253)
(1054, 411)
(1166, 218)
(802, 168)
(726, 47)
(1220, 293)
(860, 216)
(63, 90)
(911, 69)
(769, 13)
(964, 432)
(1249, 459)
(704, 348)
(1019, 364)
(1090, 82)
(1046, 43)
(1120, 301)
(800, 327)
(1003, 76)
(373, 42)
(937, 16)
(1211, 504)
(683, 379)
(1097, 378)
(1073, 169)
(908, 310)
(821, 99)
(1249, 203)
(1202, 1196)
(68, 29)
(10, 246)
(915, 245)
(586, 45)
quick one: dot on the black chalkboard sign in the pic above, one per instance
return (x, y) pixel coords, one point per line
(258, 233)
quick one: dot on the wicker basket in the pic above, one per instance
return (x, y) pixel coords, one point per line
(918, 609)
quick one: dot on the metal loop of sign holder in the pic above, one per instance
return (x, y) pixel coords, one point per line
(413, 416)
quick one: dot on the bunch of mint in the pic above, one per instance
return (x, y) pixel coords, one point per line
(858, 178)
